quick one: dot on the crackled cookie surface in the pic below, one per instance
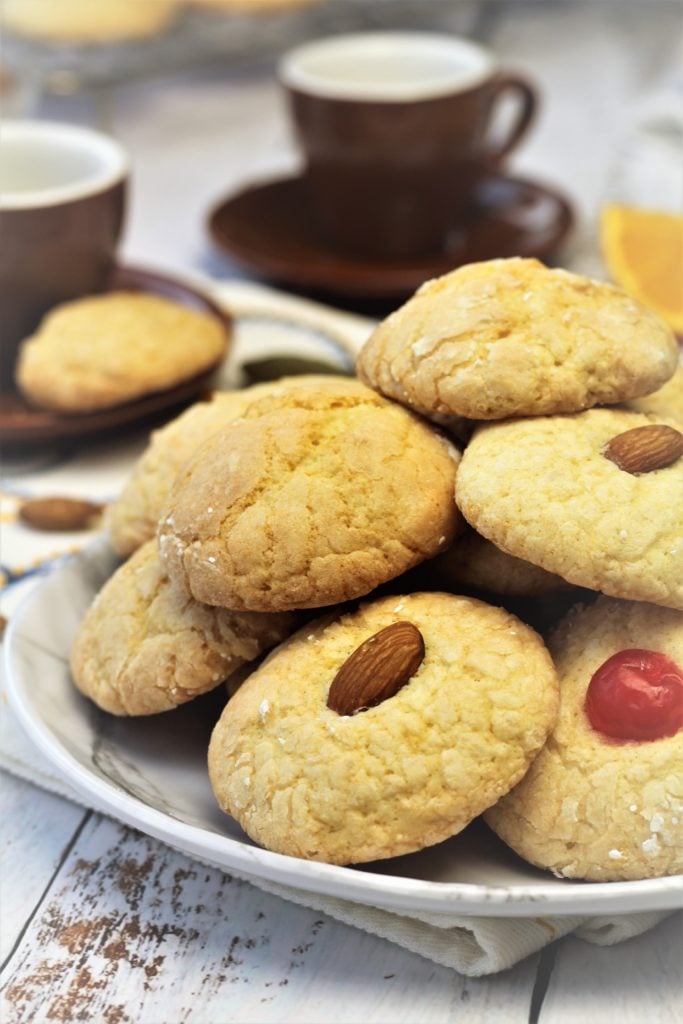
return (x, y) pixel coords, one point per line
(511, 337)
(597, 806)
(314, 496)
(544, 490)
(134, 517)
(144, 646)
(303, 779)
(104, 350)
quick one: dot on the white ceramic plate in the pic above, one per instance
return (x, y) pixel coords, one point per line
(151, 773)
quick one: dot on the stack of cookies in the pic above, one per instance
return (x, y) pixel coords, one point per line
(378, 729)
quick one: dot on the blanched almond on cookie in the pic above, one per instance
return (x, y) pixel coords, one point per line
(309, 782)
(645, 449)
(377, 669)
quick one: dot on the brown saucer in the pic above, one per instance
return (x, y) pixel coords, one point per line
(268, 228)
(24, 424)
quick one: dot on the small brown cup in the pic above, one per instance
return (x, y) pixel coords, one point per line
(395, 128)
(62, 197)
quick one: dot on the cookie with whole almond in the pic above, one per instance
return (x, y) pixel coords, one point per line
(383, 731)
(596, 498)
(145, 647)
(511, 337)
(604, 798)
(105, 350)
(134, 517)
(315, 496)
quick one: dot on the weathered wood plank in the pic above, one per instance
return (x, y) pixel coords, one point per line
(36, 827)
(637, 981)
(133, 933)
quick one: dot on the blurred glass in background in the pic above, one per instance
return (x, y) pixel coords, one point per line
(641, 219)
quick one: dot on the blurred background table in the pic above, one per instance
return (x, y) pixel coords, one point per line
(200, 946)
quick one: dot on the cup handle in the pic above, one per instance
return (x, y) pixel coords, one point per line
(527, 99)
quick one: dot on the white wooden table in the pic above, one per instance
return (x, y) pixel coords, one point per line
(100, 923)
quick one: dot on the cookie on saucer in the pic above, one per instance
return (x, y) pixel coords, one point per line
(510, 337)
(313, 497)
(104, 350)
(604, 798)
(384, 731)
(563, 493)
(145, 647)
(134, 517)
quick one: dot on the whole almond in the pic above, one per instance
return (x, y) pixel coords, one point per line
(60, 514)
(377, 669)
(644, 449)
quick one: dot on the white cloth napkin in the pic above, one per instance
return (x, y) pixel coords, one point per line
(472, 946)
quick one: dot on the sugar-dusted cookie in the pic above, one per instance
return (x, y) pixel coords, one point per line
(604, 798)
(667, 402)
(564, 493)
(384, 731)
(105, 350)
(474, 562)
(144, 646)
(513, 338)
(134, 517)
(313, 497)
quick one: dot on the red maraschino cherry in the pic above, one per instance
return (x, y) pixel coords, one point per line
(636, 695)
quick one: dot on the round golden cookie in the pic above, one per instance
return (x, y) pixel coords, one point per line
(87, 21)
(510, 337)
(134, 517)
(104, 350)
(473, 561)
(544, 490)
(304, 780)
(667, 402)
(145, 647)
(592, 806)
(313, 497)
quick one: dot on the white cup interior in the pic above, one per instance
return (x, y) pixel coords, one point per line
(44, 163)
(386, 66)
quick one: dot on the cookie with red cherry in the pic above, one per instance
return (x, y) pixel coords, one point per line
(604, 798)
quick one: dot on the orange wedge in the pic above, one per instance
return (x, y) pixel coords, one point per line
(643, 250)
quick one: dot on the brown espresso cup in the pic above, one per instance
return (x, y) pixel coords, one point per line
(397, 129)
(62, 197)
